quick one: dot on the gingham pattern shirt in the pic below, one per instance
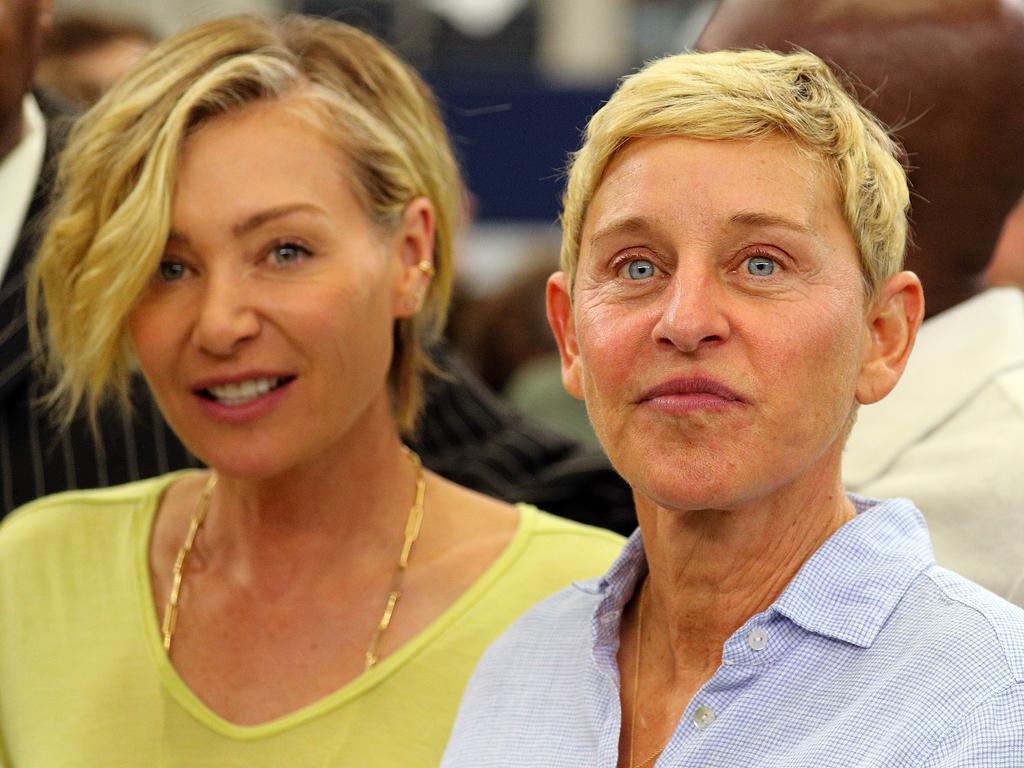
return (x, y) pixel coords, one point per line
(872, 656)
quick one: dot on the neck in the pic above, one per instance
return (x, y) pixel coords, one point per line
(711, 569)
(350, 510)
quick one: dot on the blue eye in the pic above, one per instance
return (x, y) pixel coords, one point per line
(171, 270)
(640, 269)
(289, 253)
(760, 266)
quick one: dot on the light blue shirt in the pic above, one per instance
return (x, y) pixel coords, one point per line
(872, 656)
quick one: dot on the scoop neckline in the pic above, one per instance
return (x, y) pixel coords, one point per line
(179, 690)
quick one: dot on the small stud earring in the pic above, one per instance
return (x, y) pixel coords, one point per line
(426, 267)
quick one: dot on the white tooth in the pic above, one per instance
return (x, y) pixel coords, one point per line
(243, 391)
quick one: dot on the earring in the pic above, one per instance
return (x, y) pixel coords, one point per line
(426, 267)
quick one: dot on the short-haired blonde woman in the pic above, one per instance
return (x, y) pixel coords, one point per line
(259, 217)
(731, 292)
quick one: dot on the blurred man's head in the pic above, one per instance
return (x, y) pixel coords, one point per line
(22, 24)
(948, 76)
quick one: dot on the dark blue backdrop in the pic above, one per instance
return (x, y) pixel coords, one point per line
(513, 139)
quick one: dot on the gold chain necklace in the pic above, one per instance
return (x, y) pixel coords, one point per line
(412, 531)
(170, 622)
(636, 686)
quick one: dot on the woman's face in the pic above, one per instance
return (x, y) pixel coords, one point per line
(266, 333)
(718, 329)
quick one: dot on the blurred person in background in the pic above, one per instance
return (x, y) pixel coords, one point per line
(505, 336)
(731, 292)
(948, 77)
(1007, 265)
(83, 57)
(259, 217)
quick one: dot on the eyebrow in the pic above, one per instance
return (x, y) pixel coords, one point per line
(623, 226)
(257, 220)
(758, 219)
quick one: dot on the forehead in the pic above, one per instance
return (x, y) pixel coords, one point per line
(666, 181)
(256, 158)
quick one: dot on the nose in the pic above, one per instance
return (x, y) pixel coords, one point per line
(692, 313)
(227, 316)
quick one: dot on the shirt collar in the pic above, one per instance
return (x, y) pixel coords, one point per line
(19, 174)
(984, 335)
(846, 590)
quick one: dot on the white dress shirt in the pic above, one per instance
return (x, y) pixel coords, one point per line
(19, 174)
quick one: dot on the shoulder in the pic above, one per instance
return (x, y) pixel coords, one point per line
(953, 653)
(550, 544)
(982, 630)
(542, 525)
(562, 562)
(54, 520)
(991, 733)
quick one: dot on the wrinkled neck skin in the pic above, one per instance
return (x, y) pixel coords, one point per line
(712, 569)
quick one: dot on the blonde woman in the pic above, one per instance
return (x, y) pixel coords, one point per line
(260, 218)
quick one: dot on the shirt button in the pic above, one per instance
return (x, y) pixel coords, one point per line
(610, 618)
(757, 639)
(703, 717)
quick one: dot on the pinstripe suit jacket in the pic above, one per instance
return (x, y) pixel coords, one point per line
(36, 458)
(466, 433)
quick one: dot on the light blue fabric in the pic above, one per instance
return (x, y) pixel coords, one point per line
(872, 656)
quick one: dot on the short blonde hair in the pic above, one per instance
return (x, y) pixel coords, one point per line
(117, 177)
(748, 95)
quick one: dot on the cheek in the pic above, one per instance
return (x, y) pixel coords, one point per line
(608, 344)
(148, 332)
(815, 361)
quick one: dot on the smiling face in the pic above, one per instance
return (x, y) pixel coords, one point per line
(718, 329)
(266, 334)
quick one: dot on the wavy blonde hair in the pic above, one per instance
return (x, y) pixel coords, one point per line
(748, 95)
(117, 178)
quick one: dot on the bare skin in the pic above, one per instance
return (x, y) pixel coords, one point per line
(282, 593)
(957, 114)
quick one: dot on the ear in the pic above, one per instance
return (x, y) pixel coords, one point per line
(413, 244)
(560, 318)
(892, 323)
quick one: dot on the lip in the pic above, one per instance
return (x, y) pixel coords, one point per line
(252, 410)
(691, 393)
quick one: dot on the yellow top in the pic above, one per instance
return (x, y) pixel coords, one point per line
(84, 680)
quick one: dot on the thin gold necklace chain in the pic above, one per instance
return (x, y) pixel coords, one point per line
(413, 524)
(412, 532)
(636, 686)
(170, 622)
